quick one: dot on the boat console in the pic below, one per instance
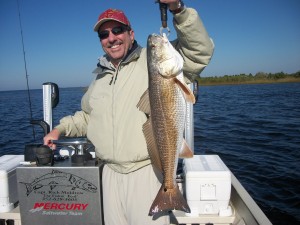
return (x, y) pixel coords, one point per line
(64, 188)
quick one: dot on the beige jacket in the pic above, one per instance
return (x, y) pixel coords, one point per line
(109, 116)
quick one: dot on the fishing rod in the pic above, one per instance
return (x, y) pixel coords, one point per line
(26, 73)
(163, 7)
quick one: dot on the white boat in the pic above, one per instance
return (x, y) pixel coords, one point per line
(244, 212)
(209, 208)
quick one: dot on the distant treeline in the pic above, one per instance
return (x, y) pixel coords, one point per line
(260, 77)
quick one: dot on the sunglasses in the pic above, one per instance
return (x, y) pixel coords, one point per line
(116, 31)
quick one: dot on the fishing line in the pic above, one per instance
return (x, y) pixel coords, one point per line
(26, 74)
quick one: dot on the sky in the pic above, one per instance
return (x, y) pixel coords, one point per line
(61, 46)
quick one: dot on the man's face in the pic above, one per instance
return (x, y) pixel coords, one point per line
(116, 46)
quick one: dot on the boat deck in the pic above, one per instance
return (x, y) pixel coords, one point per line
(245, 212)
(176, 218)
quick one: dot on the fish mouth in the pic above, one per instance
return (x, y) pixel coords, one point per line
(158, 41)
(156, 38)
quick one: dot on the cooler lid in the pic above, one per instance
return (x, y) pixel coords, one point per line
(205, 165)
(10, 162)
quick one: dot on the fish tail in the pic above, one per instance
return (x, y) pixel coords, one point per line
(29, 188)
(167, 200)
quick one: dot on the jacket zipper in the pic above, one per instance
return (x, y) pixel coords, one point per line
(113, 80)
(115, 75)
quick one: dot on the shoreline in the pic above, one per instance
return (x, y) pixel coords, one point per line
(203, 82)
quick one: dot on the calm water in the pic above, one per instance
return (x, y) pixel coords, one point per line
(255, 129)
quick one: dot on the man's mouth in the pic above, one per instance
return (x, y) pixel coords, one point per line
(115, 46)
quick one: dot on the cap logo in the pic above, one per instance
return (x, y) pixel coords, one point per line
(111, 14)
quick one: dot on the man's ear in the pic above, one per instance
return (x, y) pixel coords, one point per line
(131, 33)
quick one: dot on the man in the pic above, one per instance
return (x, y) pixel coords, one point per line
(111, 120)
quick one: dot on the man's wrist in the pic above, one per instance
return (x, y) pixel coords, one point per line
(60, 129)
(180, 7)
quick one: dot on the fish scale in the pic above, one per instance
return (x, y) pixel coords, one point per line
(169, 123)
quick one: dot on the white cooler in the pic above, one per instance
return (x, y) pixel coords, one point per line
(8, 181)
(207, 185)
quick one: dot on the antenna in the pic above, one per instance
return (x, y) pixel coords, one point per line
(26, 74)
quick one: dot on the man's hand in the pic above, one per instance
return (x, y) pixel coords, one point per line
(53, 135)
(172, 4)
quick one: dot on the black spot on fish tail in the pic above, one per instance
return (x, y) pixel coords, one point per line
(167, 200)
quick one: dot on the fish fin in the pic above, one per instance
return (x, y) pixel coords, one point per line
(144, 103)
(187, 93)
(53, 185)
(151, 144)
(167, 200)
(186, 151)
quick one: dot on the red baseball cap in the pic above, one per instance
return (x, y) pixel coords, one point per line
(111, 14)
